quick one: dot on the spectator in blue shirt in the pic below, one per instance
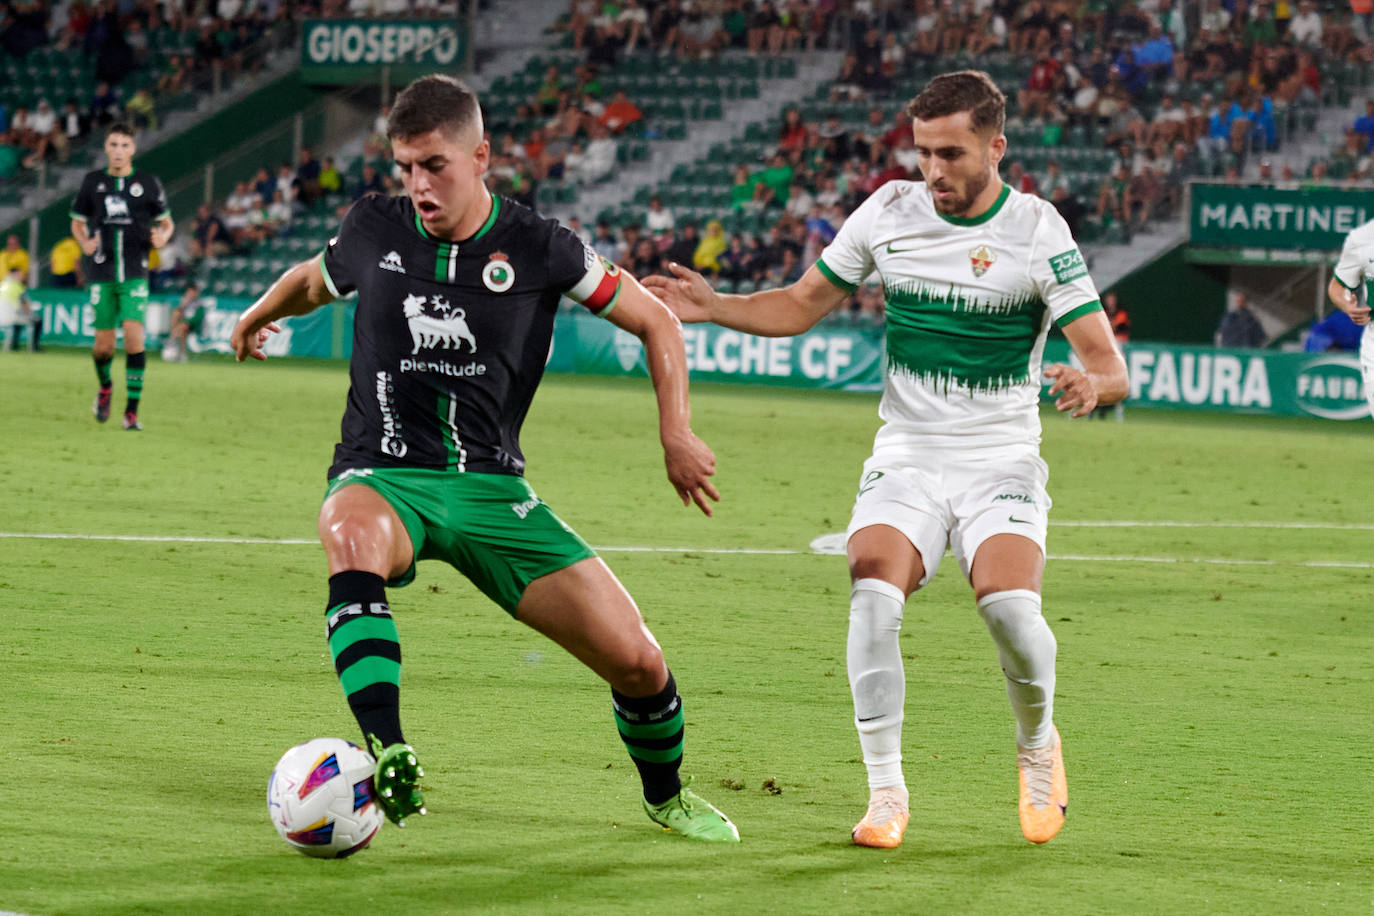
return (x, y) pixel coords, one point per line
(1365, 125)
(1264, 131)
(1155, 54)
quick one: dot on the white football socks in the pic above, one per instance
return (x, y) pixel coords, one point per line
(1026, 649)
(876, 679)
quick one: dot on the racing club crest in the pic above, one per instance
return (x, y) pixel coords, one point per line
(498, 276)
(980, 259)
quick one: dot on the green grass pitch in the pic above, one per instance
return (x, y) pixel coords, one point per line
(1215, 690)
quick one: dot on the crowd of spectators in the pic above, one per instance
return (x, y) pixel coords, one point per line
(131, 53)
(608, 29)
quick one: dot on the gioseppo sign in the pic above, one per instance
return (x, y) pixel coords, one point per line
(344, 50)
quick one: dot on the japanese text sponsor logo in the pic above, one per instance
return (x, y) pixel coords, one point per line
(1068, 265)
(392, 262)
(446, 328)
(392, 443)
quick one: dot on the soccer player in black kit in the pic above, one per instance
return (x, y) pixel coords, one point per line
(457, 292)
(118, 216)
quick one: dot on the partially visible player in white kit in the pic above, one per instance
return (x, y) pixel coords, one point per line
(1353, 276)
(973, 273)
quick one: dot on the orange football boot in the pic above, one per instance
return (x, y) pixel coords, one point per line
(885, 821)
(1044, 790)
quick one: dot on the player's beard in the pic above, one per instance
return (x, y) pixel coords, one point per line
(959, 204)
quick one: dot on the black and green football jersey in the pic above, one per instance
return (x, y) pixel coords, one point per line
(450, 339)
(121, 211)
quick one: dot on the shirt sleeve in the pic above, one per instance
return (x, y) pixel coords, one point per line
(81, 204)
(1059, 272)
(343, 253)
(1350, 268)
(161, 210)
(848, 259)
(581, 274)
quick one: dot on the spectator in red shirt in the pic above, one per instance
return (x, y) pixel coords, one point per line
(621, 113)
(792, 135)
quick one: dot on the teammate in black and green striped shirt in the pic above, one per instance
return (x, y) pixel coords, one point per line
(118, 217)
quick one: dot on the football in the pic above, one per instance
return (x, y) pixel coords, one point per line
(320, 799)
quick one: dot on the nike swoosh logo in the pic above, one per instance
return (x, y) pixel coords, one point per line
(891, 250)
(1019, 521)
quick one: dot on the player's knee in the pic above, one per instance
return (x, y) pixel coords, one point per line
(640, 673)
(354, 541)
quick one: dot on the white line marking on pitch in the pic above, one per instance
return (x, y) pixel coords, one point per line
(826, 544)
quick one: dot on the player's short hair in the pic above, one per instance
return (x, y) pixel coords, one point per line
(964, 90)
(434, 102)
(119, 127)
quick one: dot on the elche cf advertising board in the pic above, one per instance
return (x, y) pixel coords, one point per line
(1326, 385)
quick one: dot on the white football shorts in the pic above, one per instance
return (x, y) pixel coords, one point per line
(954, 497)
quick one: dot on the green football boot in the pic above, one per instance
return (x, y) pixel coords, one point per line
(692, 816)
(397, 782)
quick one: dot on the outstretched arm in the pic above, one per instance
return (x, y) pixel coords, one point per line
(770, 313)
(299, 291)
(1101, 381)
(690, 461)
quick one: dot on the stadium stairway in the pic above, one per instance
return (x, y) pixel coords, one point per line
(775, 93)
(511, 33)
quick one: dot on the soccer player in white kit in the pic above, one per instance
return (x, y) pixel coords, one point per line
(1355, 269)
(973, 273)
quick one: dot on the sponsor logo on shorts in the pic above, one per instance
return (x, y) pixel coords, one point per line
(523, 509)
(1015, 497)
(869, 482)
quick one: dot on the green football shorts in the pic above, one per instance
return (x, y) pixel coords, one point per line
(492, 528)
(116, 302)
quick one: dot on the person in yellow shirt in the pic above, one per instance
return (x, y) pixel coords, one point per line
(13, 255)
(16, 311)
(65, 262)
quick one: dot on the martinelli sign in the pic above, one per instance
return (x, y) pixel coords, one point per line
(357, 50)
(1274, 223)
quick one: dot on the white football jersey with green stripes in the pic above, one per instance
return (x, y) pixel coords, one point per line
(968, 305)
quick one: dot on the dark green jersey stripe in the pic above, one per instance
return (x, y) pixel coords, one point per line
(946, 338)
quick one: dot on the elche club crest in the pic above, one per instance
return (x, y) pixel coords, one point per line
(135, 190)
(980, 259)
(498, 276)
